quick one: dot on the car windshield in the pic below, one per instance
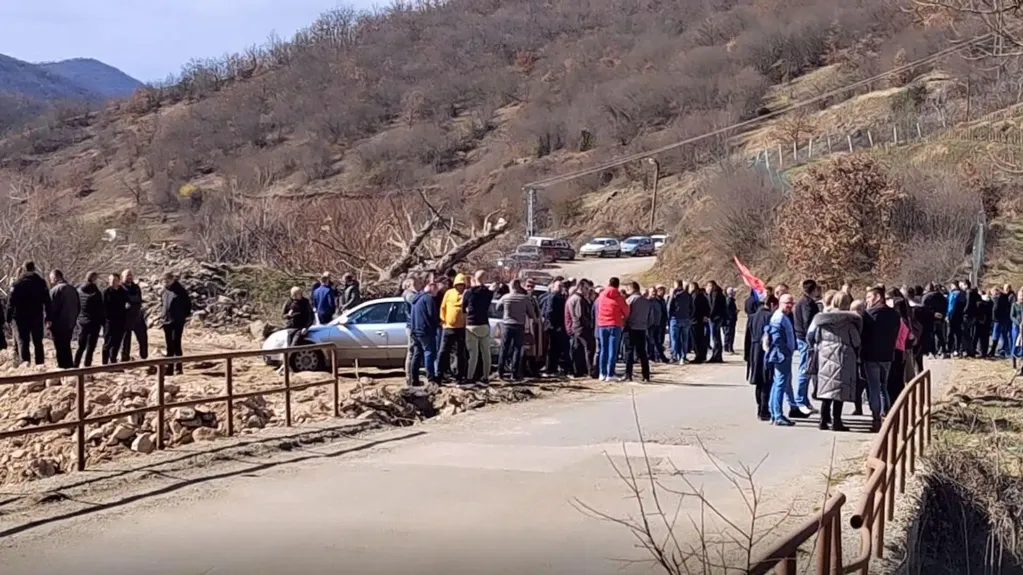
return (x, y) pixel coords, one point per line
(631, 241)
(602, 242)
(527, 249)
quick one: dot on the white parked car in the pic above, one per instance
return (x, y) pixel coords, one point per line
(659, 241)
(601, 247)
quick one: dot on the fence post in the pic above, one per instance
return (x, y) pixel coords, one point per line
(786, 567)
(927, 425)
(878, 516)
(80, 408)
(781, 157)
(911, 430)
(161, 415)
(893, 449)
(824, 537)
(337, 392)
(836, 543)
(895, 134)
(848, 138)
(767, 159)
(829, 143)
(809, 149)
(870, 138)
(287, 390)
(919, 134)
(229, 381)
(795, 152)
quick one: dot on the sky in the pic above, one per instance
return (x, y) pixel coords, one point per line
(150, 39)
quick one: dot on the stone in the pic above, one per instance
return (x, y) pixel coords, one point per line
(255, 422)
(224, 300)
(184, 437)
(184, 414)
(42, 413)
(33, 387)
(54, 382)
(204, 434)
(19, 454)
(256, 330)
(122, 433)
(144, 443)
(58, 414)
(95, 435)
(171, 388)
(103, 399)
(43, 467)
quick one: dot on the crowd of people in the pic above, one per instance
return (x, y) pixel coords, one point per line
(576, 330)
(876, 344)
(329, 300)
(115, 312)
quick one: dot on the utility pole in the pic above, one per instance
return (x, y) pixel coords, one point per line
(653, 200)
(530, 211)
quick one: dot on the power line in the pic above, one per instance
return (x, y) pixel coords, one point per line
(639, 156)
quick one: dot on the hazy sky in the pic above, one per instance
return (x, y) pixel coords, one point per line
(149, 39)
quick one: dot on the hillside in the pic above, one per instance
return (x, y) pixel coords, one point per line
(37, 82)
(320, 150)
(95, 76)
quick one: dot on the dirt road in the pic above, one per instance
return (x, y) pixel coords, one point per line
(500, 491)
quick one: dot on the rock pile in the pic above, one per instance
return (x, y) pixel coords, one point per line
(403, 407)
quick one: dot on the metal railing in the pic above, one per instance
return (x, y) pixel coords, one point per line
(904, 435)
(163, 365)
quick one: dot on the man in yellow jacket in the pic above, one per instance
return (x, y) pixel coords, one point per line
(452, 320)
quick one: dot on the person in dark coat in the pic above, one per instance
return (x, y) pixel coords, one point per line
(658, 322)
(64, 308)
(937, 305)
(718, 317)
(29, 309)
(802, 316)
(552, 313)
(177, 307)
(983, 320)
(135, 321)
(325, 299)
(758, 372)
(1002, 312)
(350, 295)
(731, 320)
(680, 320)
(971, 316)
(425, 324)
(298, 315)
(115, 308)
(701, 315)
(880, 331)
(91, 317)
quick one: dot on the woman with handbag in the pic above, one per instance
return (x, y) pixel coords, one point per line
(834, 338)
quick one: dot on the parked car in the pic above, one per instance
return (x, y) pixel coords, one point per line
(601, 247)
(374, 333)
(525, 255)
(659, 241)
(638, 246)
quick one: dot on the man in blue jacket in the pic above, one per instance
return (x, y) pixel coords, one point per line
(324, 299)
(680, 313)
(424, 327)
(782, 346)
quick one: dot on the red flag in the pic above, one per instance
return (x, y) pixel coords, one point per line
(751, 281)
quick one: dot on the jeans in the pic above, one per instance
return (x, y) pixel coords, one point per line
(424, 351)
(877, 384)
(88, 337)
(477, 342)
(679, 334)
(1017, 350)
(452, 341)
(512, 339)
(636, 347)
(324, 317)
(782, 381)
(409, 352)
(802, 379)
(1003, 334)
(717, 344)
(30, 333)
(610, 342)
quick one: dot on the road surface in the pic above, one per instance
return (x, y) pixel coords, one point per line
(497, 491)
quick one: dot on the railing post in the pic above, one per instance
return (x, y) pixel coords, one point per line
(903, 426)
(161, 415)
(910, 429)
(836, 543)
(287, 390)
(927, 418)
(890, 467)
(786, 567)
(337, 391)
(229, 381)
(824, 547)
(921, 407)
(80, 408)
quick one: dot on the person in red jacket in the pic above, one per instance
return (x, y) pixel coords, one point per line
(612, 310)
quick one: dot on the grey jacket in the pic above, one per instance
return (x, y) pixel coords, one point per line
(65, 307)
(835, 338)
(518, 308)
(640, 310)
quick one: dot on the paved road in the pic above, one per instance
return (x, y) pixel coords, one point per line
(600, 269)
(487, 492)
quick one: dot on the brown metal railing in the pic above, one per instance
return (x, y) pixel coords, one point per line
(162, 366)
(904, 435)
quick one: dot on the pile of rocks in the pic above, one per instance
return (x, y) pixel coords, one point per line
(403, 407)
(214, 303)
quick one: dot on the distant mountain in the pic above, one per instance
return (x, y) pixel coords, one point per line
(94, 76)
(35, 82)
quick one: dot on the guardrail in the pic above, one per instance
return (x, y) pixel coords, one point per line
(162, 366)
(904, 435)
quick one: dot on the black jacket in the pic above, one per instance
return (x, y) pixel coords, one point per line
(30, 299)
(984, 312)
(680, 305)
(177, 305)
(731, 310)
(115, 305)
(880, 330)
(758, 371)
(1002, 308)
(92, 310)
(752, 305)
(553, 311)
(476, 305)
(718, 307)
(805, 310)
(662, 306)
(973, 300)
(936, 302)
(301, 313)
(134, 293)
(701, 307)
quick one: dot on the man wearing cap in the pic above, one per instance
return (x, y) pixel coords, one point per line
(452, 317)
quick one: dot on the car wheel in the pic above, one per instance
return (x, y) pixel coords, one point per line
(618, 254)
(307, 360)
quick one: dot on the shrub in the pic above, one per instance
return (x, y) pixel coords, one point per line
(740, 216)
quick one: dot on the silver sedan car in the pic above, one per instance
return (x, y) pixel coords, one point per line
(372, 332)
